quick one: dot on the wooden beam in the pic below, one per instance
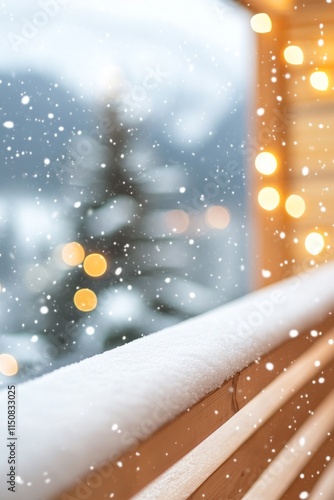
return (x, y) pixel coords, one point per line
(325, 486)
(290, 461)
(267, 130)
(281, 7)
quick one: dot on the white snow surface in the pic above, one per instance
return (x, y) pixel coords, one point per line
(86, 414)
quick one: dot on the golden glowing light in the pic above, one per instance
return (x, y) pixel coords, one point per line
(95, 264)
(269, 198)
(261, 23)
(314, 243)
(294, 54)
(265, 163)
(85, 300)
(295, 206)
(217, 217)
(319, 80)
(177, 221)
(73, 254)
(8, 365)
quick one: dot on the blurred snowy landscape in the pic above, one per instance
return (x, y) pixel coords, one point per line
(122, 128)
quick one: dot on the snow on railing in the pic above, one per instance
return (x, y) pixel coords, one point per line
(83, 416)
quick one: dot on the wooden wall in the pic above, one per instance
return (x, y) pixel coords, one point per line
(298, 128)
(311, 131)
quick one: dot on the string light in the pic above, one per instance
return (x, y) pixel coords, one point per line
(73, 254)
(294, 54)
(295, 206)
(8, 365)
(217, 217)
(314, 243)
(261, 23)
(95, 265)
(177, 221)
(319, 80)
(265, 163)
(269, 198)
(85, 300)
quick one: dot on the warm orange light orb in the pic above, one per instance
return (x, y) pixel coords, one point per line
(8, 365)
(177, 221)
(95, 265)
(217, 217)
(269, 198)
(295, 206)
(261, 23)
(265, 163)
(314, 243)
(85, 300)
(294, 54)
(319, 80)
(73, 254)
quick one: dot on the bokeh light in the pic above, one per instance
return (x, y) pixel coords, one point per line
(95, 265)
(265, 163)
(269, 198)
(217, 217)
(319, 80)
(73, 254)
(8, 365)
(295, 206)
(314, 243)
(261, 23)
(177, 221)
(294, 54)
(85, 300)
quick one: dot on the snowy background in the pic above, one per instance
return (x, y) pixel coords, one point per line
(169, 83)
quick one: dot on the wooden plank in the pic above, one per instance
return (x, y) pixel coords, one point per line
(234, 478)
(310, 12)
(318, 194)
(181, 480)
(325, 485)
(308, 479)
(317, 45)
(300, 258)
(295, 455)
(281, 7)
(311, 110)
(310, 31)
(313, 182)
(318, 159)
(299, 91)
(309, 221)
(317, 130)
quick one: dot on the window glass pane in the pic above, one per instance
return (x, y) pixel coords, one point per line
(123, 195)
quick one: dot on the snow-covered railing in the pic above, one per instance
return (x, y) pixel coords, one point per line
(106, 427)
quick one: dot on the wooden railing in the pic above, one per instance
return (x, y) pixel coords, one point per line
(273, 468)
(250, 439)
(237, 410)
(253, 438)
